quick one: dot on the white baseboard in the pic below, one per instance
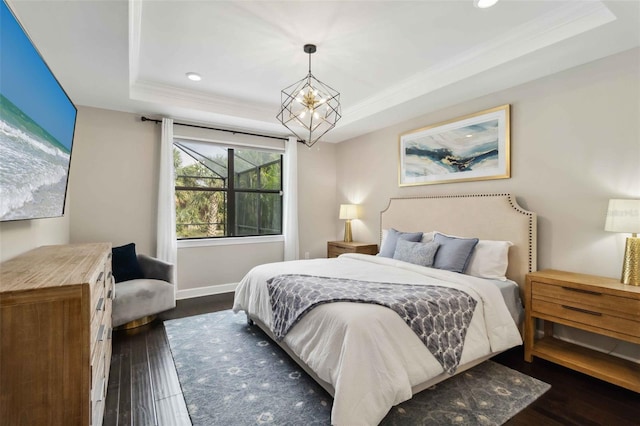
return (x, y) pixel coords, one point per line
(206, 291)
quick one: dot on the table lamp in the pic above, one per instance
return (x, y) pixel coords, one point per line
(624, 216)
(348, 212)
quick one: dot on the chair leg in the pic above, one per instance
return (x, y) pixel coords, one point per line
(136, 323)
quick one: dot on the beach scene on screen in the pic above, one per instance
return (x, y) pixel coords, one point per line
(37, 122)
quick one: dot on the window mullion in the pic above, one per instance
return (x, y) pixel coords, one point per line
(231, 194)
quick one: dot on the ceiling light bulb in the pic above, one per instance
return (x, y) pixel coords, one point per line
(194, 76)
(483, 4)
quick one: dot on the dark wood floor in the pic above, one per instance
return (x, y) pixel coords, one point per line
(144, 388)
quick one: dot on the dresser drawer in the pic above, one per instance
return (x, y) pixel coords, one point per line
(97, 366)
(591, 299)
(582, 314)
(97, 288)
(98, 396)
(98, 320)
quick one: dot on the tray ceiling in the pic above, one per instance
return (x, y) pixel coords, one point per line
(390, 60)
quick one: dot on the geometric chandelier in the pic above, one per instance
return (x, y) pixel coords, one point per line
(309, 108)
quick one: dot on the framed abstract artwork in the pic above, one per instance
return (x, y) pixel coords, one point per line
(474, 147)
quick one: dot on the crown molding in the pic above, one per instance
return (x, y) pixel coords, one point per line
(150, 91)
(570, 20)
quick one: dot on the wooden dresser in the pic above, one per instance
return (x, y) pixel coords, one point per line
(55, 333)
(596, 304)
(336, 248)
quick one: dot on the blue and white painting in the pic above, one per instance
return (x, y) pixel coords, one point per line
(37, 122)
(473, 148)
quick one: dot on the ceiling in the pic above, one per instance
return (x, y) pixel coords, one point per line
(390, 60)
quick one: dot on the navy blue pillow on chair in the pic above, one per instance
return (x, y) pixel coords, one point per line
(124, 263)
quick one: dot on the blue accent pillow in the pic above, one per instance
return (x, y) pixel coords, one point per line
(124, 263)
(389, 244)
(421, 254)
(453, 253)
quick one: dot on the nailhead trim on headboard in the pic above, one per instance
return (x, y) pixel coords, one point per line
(510, 198)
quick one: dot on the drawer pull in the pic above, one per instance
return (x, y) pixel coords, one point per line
(110, 333)
(100, 276)
(584, 311)
(100, 304)
(109, 275)
(101, 333)
(579, 290)
(109, 294)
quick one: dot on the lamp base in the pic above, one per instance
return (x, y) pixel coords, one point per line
(631, 262)
(347, 231)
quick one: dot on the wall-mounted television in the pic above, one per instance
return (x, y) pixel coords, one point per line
(37, 124)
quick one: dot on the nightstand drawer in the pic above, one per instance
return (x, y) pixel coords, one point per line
(336, 248)
(592, 299)
(583, 314)
(337, 251)
(599, 305)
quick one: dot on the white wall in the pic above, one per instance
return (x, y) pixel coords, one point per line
(114, 179)
(317, 208)
(20, 236)
(113, 182)
(575, 143)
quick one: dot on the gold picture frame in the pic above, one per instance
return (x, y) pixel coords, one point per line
(470, 148)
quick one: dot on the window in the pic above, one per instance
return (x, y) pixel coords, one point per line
(226, 191)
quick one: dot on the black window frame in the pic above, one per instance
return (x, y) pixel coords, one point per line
(230, 191)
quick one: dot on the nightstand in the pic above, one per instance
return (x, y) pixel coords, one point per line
(587, 302)
(336, 248)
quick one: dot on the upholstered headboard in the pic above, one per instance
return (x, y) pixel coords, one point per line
(484, 216)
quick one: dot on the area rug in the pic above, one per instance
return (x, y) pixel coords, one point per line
(232, 374)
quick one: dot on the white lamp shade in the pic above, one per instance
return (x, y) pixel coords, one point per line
(348, 211)
(623, 216)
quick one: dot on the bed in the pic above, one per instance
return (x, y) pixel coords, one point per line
(364, 354)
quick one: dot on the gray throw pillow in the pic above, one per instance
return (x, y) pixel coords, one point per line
(389, 245)
(453, 253)
(417, 253)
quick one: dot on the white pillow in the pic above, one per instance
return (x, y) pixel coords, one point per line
(489, 259)
(427, 237)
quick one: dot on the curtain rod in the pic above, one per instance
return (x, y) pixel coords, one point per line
(143, 118)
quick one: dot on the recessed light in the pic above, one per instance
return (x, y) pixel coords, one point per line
(483, 4)
(194, 76)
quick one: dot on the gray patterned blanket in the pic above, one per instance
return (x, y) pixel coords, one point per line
(439, 316)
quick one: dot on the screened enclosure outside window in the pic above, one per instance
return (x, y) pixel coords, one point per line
(226, 191)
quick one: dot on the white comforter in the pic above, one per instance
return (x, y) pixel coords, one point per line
(366, 351)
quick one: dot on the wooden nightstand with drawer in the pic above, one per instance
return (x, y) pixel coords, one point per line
(595, 304)
(336, 248)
